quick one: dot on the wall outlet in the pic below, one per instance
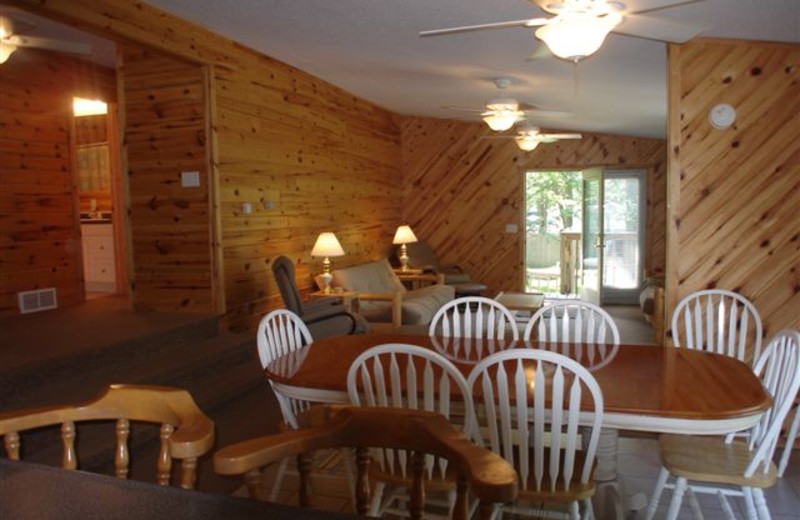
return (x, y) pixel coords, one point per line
(190, 179)
(247, 208)
(269, 205)
(511, 228)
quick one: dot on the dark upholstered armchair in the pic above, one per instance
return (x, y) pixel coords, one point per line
(421, 256)
(324, 317)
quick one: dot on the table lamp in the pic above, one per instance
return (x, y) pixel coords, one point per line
(404, 236)
(327, 246)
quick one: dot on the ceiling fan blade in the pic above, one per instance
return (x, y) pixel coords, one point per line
(541, 52)
(538, 112)
(561, 136)
(651, 6)
(532, 22)
(543, 139)
(658, 29)
(48, 44)
(464, 109)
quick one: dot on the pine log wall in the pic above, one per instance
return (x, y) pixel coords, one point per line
(39, 222)
(735, 193)
(165, 134)
(460, 191)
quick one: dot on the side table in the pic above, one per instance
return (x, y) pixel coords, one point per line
(349, 299)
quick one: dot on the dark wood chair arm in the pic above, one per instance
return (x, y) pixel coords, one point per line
(488, 475)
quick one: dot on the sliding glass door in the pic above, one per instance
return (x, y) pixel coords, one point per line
(613, 235)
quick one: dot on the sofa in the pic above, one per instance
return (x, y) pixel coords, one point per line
(384, 298)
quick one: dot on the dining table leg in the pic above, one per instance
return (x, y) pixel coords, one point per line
(611, 500)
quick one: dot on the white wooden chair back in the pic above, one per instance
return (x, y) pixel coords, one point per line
(280, 333)
(719, 321)
(779, 370)
(532, 398)
(572, 321)
(397, 375)
(473, 317)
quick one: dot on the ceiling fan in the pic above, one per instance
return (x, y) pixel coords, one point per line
(529, 136)
(579, 27)
(502, 112)
(11, 38)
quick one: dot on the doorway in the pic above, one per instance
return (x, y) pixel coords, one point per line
(97, 163)
(584, 234)
(613, 229)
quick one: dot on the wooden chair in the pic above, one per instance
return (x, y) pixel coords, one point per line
(186, 433)
(528, 412)
(473, 317)
(484, 474)
(408, 376)
(725, 462)
(572, 321)
(718, 321)
(280, 334)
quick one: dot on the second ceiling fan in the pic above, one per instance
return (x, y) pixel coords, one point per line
(579, 27)
(501, 113)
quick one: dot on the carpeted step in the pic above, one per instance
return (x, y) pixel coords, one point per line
(80, 375)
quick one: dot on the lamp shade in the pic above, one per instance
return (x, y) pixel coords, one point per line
(578, 35)
(327, 245)
(404, 235)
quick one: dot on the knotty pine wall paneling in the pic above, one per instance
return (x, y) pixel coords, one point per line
(734, 193)
(39, 222)
(165, 134)
(325, 159)
(328, 160)
(461, 190)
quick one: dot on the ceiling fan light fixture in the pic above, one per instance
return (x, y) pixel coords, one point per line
(577, 36)
(6, 49)
(501, 120)
(527, 143)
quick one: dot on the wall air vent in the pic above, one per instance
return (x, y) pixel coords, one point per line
(38, 300)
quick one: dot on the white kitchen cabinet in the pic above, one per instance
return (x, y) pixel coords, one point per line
(98, 257)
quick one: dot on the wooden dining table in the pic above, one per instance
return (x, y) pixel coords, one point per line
(645, 387)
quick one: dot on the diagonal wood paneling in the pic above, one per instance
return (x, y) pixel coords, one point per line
(735, 192)
(460, 190)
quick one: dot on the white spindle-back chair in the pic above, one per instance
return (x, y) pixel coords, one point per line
(473, 317)
(719, 321)
(282, 334)
(572, 321)
(725, 462)
(397, 375)
(529, 413)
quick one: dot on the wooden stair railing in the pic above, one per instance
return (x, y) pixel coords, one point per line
(186, 433)
(486, 475)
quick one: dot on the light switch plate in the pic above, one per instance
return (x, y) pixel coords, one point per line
(190, 179)
(247, 208)
(511, 228)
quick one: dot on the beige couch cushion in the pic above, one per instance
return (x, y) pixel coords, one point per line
(372, 277)
(419, 305)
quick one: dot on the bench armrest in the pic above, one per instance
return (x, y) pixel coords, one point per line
(396, 298)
